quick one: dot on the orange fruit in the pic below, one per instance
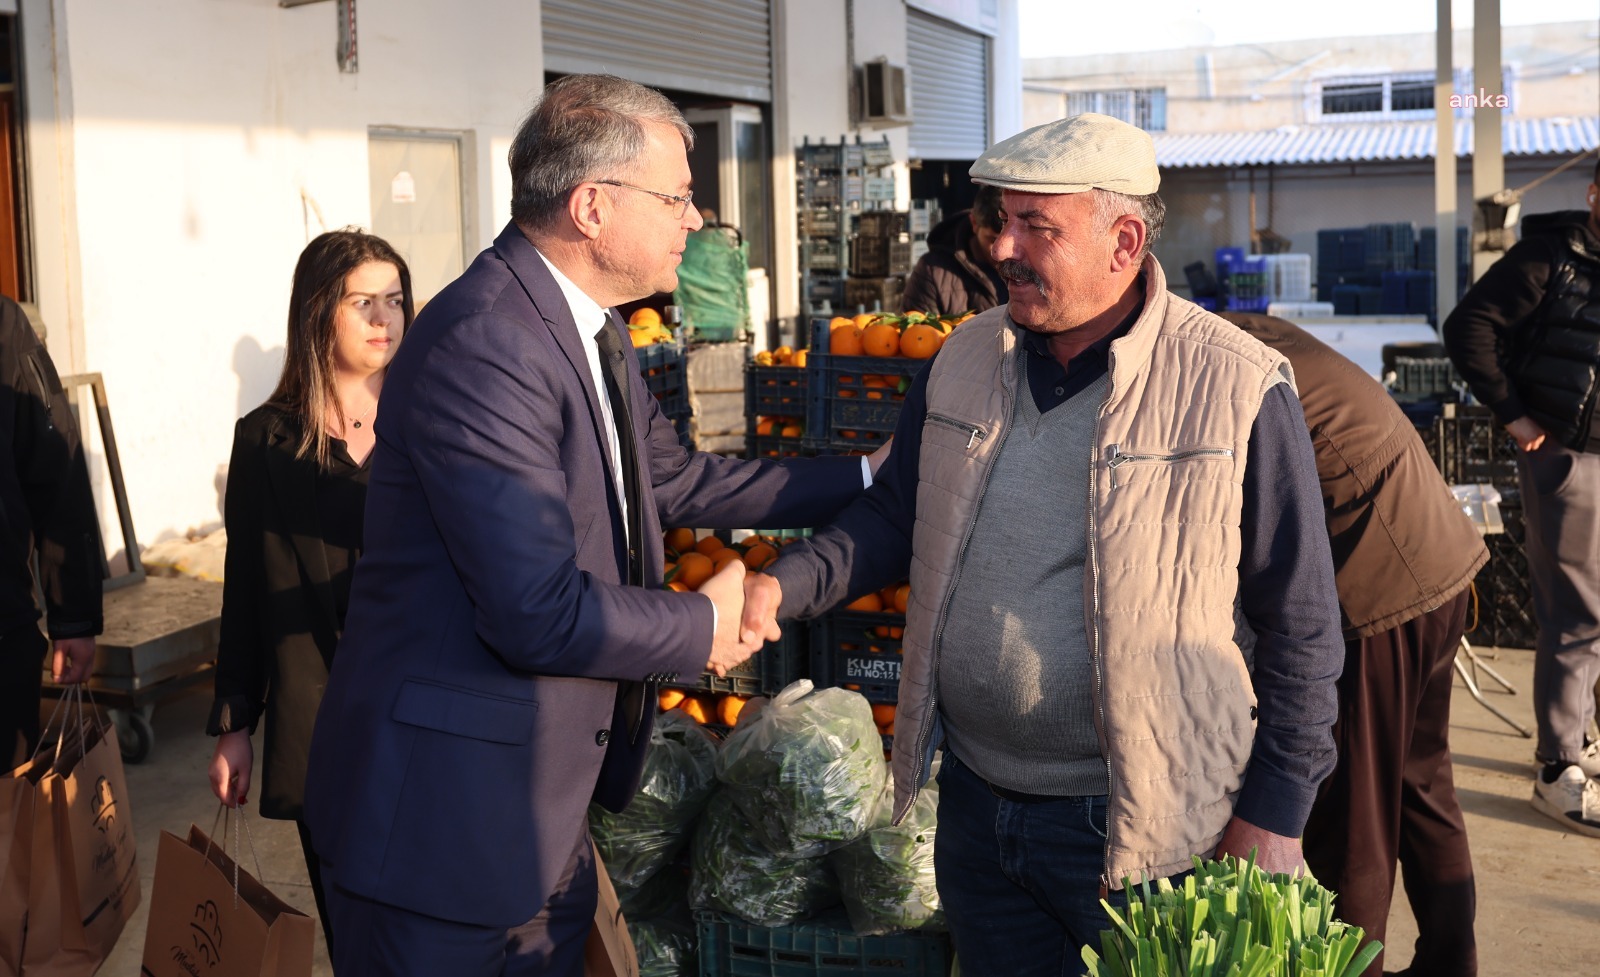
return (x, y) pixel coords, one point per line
(694, 569)
(845, 342)
(764, 427)
(678, 586)
(800, 357)
(839, 322)
(723, 558)
(680, 540)
(758, 556)
(880, 339)
(728, 709)
(782, 355)
(790, 431)
(897, 633)
(883, 713)
(763, 357)
(696, 708)
(920, 341)
(887, 596)
(902, 597)
(870, 602)
(669, 698)
(645, 317)
(709, 545)
(865, 319)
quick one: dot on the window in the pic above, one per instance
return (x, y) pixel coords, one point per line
(1143, 107)
(1375, 97)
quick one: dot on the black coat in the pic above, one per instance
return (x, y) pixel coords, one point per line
(280, 600)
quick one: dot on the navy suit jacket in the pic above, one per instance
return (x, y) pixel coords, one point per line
(475, 706)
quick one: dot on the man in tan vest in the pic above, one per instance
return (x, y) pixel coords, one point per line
(1123, 630)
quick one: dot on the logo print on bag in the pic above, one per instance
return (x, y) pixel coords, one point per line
(205, 929)
(105, 806)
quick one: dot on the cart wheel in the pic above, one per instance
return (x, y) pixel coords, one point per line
(136, 736)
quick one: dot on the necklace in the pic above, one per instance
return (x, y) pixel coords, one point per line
(357, 422)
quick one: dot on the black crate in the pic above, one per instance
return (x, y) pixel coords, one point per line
(824, 947)
(773, 446)
(848, 409)
(877, 257)
(1504, 604)
(767, 672)
(883, 223)
(774, 391)
(1471, 447)
(854, 650)
(666, 374)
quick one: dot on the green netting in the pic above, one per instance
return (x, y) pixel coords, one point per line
(711, 284)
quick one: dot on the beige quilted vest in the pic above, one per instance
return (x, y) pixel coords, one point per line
(1175, 707)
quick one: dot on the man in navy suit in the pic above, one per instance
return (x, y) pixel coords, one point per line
(507, 620)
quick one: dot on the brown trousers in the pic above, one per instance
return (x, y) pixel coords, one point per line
(1392, 798)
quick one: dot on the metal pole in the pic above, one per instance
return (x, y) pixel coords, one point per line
(1488, 160)
(1444, 166)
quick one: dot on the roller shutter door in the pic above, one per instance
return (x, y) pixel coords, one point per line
(949, 89)
(710, 47)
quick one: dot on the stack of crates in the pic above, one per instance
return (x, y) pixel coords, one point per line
(880, 256)
(1288, 277)
(1341, 260)
(853, 402)
(1428, 255)
(666, 374)
(775, 403)
(1243, 280)
(838, 183)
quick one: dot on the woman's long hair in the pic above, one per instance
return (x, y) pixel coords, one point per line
(306, 389)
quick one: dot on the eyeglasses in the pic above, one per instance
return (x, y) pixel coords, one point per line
(673, 198)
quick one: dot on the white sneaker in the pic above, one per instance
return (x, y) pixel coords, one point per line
(1589, 760)
(1573, 800)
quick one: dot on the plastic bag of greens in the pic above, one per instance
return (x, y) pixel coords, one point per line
(735, 873)
(886, 876)
(663, 893)
(667, 947)
(656, 825)
(807, 770)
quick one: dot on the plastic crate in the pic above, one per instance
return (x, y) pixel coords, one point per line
(1470, 446)
(1327, 282)
(1300, 310)
(820, 222)
(666, 374)
(825, 947)
(852, 649)
(883, 223)
(1356, 299)
(822, 254)
(874, 294)
(845, 412)
(1288, 277)
(767, 672)
(1342, 251)
(774, 391)
(1390, 247)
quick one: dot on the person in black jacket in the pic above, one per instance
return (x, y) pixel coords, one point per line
(46, 511)
(957, 274)
(1526, 338)
(297, 487)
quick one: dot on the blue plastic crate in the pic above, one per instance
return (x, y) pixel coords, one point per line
(665, 367)
(1356, 299)
(774, 446)
(1342, 251)
(853, 649)
(1390, 247)
(774, 391)
(825, 947)
(767, 672)
(847, 410)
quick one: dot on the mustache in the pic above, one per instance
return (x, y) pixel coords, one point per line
(1013, 269)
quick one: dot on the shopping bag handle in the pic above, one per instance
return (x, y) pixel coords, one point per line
(241, 826)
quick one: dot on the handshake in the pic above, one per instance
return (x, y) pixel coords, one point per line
(747, 614)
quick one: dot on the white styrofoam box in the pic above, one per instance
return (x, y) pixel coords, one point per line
(1289, 277)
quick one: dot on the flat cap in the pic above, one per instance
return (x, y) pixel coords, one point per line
(1073, 155)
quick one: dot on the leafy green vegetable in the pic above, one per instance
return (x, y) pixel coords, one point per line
(886, 876)
(664, 893)
(677, 780)
(666, 947)
(1229, 919)
(734, 872)
(807, 771)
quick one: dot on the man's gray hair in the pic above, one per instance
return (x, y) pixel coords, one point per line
(1109, 205)
(584, 127)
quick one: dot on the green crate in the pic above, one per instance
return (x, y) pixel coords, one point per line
(818, 948)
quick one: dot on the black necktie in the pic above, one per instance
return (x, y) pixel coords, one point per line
(614, 368)
(615, 371)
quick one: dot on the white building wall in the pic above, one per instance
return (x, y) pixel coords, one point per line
(200, 146)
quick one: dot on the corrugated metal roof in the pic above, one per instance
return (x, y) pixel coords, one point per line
(1349, 142)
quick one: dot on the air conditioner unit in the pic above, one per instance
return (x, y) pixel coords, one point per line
(883, 93)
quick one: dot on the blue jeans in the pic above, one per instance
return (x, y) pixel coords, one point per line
(1020, 882)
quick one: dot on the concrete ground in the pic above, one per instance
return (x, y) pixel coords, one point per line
(1538, 886)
